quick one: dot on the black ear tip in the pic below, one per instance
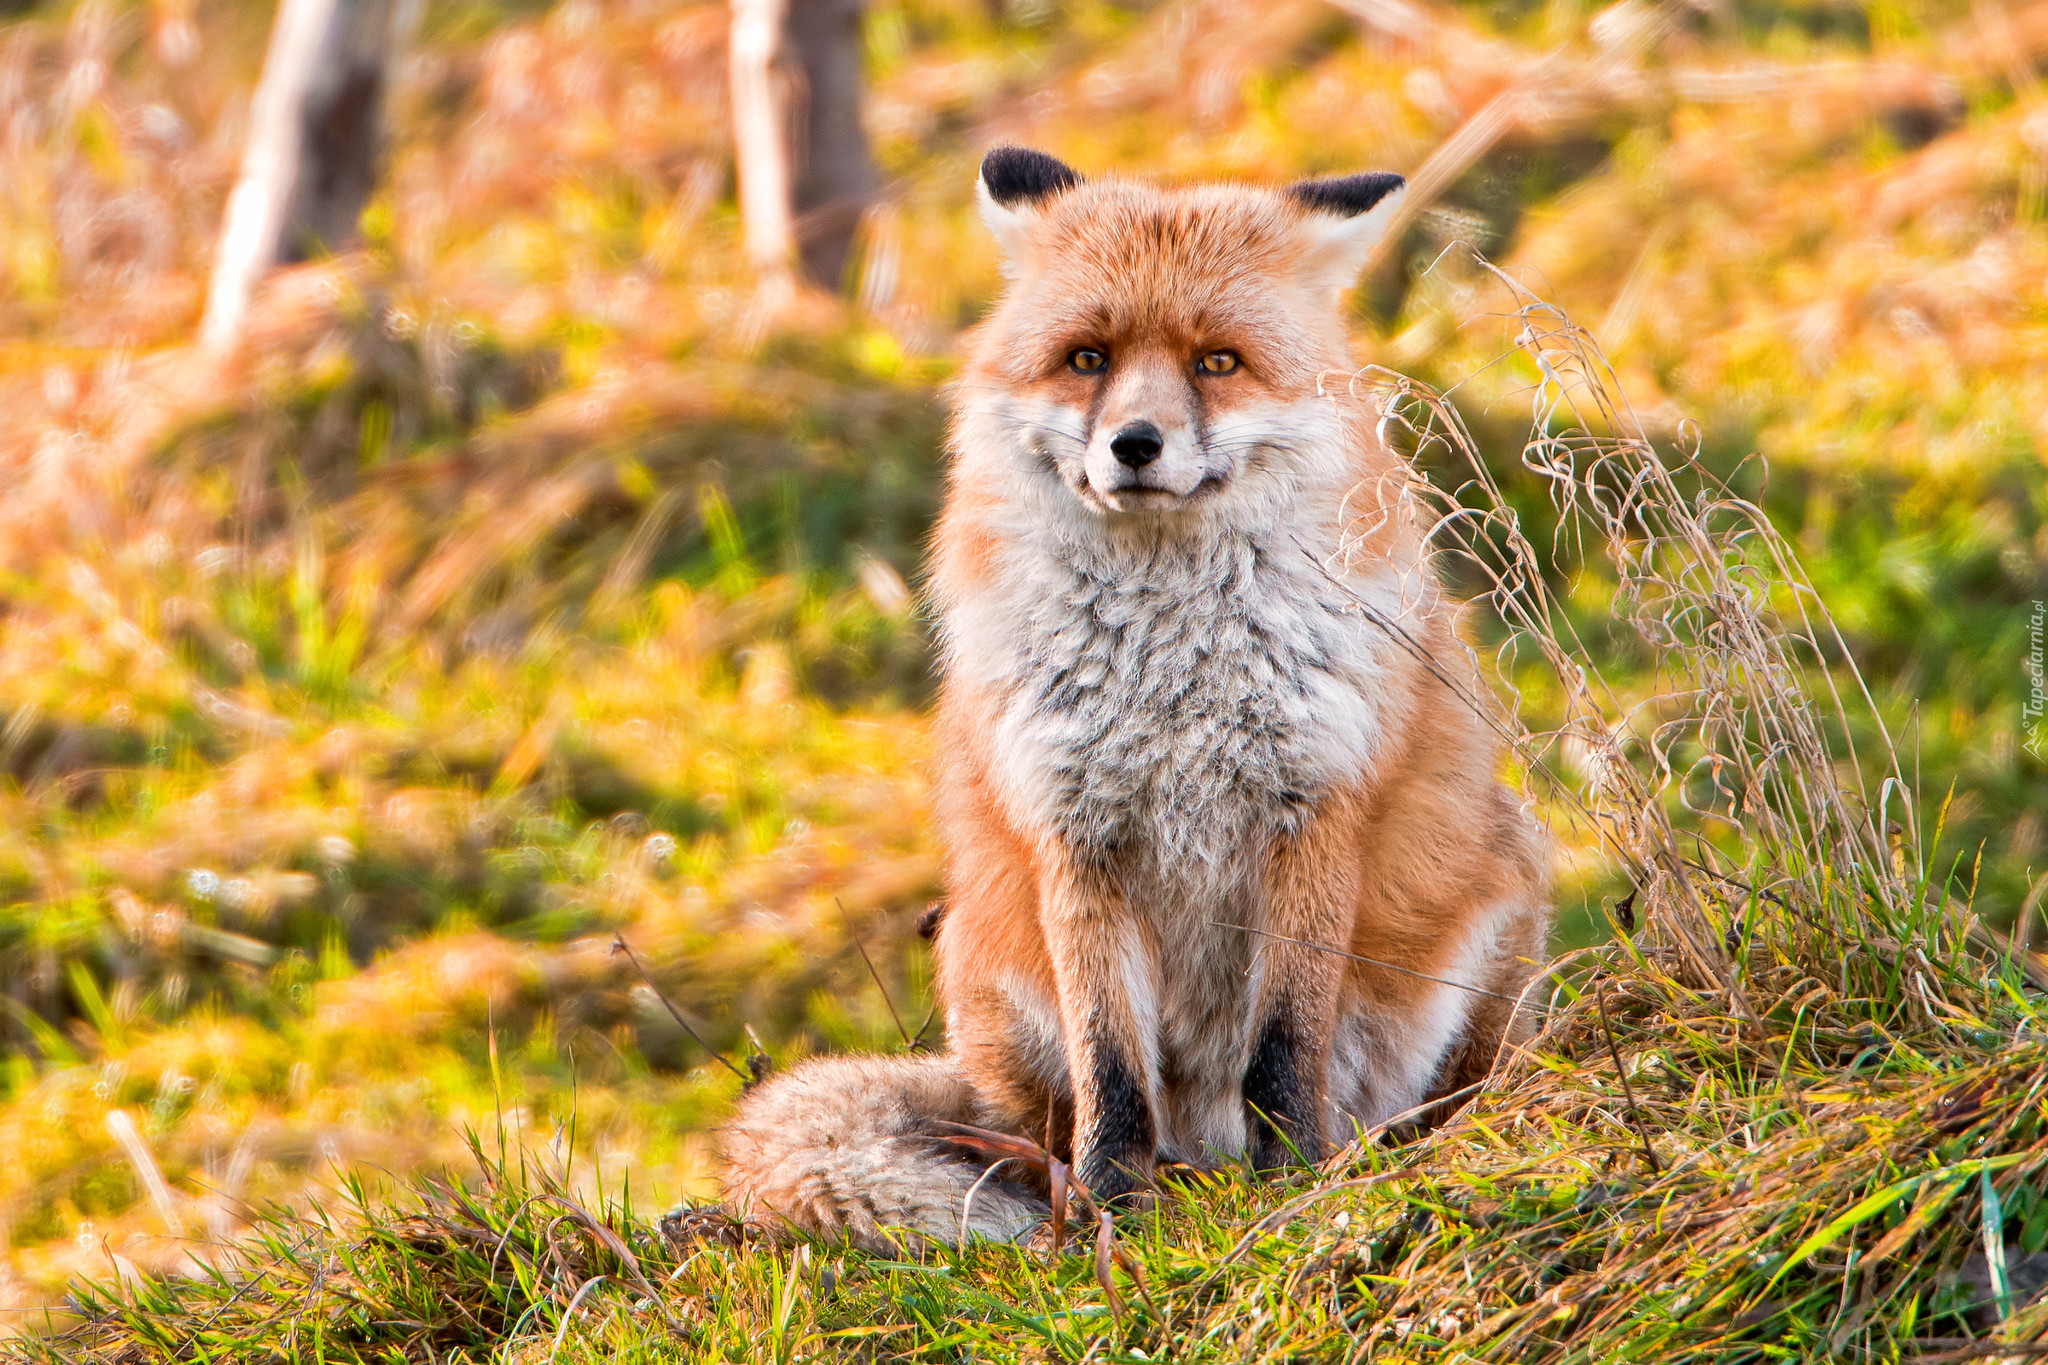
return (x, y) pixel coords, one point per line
(1345, 195)
(1017, 175)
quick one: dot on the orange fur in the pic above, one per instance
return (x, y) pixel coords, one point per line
(1202, 696)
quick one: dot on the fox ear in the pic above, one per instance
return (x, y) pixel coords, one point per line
(1347, 216)
(1015, 185)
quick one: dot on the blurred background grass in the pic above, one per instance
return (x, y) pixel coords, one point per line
(527, 582)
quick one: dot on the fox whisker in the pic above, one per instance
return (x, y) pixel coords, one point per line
(1078, 440)
(1242, 447)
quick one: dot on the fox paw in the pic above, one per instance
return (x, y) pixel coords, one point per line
(1042, 1241)
(689, 1225)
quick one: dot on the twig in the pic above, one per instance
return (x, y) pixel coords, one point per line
(930, 1014)
(967, 1204)
(854, 934)
(1010, 1147)
(619, 945)
(1062, 1178)
(1105, 1247)
(1057, 1173)
(1370, 961)
(1628, 1091)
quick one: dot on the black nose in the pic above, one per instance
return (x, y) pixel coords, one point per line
(1137, 445)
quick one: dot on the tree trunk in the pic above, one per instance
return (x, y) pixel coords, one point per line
(316, 135)
(345, 126)
(835, 175)
(760, 147)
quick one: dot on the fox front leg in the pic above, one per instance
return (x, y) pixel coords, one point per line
(1105, 967)
(1311, 893)
(1285, 1088)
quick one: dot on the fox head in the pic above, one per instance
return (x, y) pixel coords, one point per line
(1159, 352)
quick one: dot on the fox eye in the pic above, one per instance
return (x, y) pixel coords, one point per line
(1218, 362)
(1088, 360)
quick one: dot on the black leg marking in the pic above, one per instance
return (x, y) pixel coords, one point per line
(1120, 1156)
(1276, 1087)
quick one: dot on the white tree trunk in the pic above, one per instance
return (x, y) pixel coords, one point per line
(315, 133)
(270, 162)
(760, 141)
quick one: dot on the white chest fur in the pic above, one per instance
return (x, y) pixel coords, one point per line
(1174, 700)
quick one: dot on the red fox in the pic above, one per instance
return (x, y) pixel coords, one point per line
(1231, 870)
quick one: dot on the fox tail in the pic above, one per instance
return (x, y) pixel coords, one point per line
(854, 1146)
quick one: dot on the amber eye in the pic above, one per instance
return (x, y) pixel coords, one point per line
(1218, 362)
(1088, 361)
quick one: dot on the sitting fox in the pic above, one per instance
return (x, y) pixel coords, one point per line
(1208, 741)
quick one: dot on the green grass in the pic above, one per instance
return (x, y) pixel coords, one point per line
(519, 591)
(1818, 1182)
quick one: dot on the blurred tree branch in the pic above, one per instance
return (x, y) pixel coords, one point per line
(1554, 93)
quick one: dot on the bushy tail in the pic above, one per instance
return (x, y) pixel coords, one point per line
(850, 1145)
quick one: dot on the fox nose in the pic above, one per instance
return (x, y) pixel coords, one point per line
(1137, 445)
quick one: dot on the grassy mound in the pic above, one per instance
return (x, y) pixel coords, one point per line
(1798, 1109)
(1658, 1182)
